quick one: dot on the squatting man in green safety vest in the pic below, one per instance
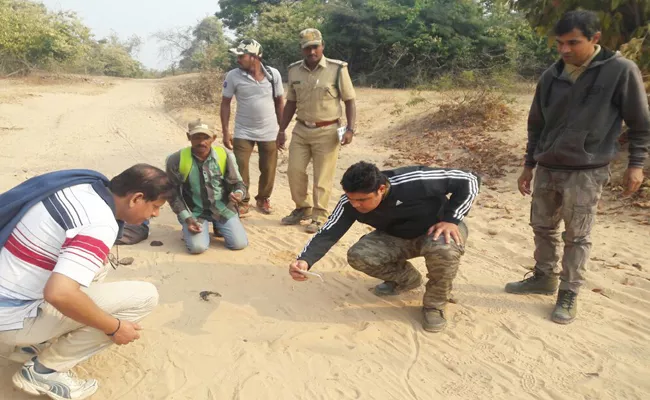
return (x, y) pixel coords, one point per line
(208, 189)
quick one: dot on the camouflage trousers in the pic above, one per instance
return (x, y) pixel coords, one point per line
(571, 196)
(385, 257)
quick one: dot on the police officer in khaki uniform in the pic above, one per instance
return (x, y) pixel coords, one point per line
(315, 89)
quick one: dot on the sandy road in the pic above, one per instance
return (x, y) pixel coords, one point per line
(268, 337)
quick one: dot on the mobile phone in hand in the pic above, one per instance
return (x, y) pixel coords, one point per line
(341, 132)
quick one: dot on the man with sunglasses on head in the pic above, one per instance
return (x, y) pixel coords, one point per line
(258, 89)
(316, 87)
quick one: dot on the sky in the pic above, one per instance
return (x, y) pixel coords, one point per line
(140, 17)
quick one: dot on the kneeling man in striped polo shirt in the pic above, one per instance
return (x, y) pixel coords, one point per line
(412, 217)
(56, 231)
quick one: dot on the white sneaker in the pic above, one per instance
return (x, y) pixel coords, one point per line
(57, 385)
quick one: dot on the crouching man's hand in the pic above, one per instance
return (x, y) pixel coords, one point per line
(298, 265)
(126, 333)
(448, 231)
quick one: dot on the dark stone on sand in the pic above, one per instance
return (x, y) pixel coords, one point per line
(126, 261)
(206, 293)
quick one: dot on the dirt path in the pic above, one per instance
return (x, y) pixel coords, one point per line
(268, 337)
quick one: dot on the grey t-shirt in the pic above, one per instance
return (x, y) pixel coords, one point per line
(255, 119)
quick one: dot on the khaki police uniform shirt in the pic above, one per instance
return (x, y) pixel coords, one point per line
(315, 92)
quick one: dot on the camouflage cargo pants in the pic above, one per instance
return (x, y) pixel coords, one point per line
(385, 257)
(571, 196)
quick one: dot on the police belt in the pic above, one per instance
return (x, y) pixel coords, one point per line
(318, 124)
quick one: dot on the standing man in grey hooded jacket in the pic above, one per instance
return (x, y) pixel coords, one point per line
(573, 126)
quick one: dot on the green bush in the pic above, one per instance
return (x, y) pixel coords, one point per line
(31, 37)
(396, 43)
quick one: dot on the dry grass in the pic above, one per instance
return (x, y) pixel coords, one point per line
(17, 88)
(195, 91)
(484, 108)
(460, 133)
(51, 78)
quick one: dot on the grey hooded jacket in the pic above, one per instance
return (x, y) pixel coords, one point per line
(576, 125)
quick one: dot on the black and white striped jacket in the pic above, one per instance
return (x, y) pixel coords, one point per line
(416, 200)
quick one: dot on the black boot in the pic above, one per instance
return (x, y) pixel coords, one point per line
(390, 288)
(433, 319)
(566, 307)
(538, 283)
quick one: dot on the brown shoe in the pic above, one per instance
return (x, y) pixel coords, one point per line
(264, 205)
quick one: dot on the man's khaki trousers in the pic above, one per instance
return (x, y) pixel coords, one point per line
(268, 162)
(72, 342)
(320, 145)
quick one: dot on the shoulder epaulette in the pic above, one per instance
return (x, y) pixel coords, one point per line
(294, 64)
(337, 62)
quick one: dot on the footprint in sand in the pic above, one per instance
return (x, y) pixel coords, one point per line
(529, 383)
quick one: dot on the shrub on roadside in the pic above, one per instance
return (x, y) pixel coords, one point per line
(459, 133)
(485, 107)
(34, 38)
(196, 91)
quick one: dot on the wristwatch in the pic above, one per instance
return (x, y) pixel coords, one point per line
(351, 130)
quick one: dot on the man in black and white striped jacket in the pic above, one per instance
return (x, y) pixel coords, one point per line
(412, 217)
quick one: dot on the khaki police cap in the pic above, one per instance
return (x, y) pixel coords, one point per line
(310, 37)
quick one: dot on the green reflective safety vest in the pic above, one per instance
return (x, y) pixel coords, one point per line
(186, 160)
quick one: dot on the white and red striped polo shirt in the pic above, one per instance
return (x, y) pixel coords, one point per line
(70, 233)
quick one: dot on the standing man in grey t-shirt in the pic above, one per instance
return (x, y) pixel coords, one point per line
(259, 91)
